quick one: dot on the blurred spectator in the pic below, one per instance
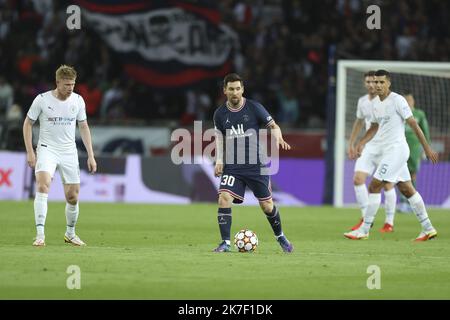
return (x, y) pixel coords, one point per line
(26, 61)
(7, 18)
(198, 103)
(45, 9)
(92, 96)
(11, 135)
(113, 95)
(14, 114)
(404, 43)
(289, 111)
(6, 95)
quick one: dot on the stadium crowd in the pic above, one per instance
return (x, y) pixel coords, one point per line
(283, 57)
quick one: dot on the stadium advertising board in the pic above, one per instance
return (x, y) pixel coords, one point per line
(12, 175)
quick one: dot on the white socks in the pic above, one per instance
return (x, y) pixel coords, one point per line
(419, 209)
(362, 197)
(40, 212)
(372, 208)
(390, 201)
(71, 218)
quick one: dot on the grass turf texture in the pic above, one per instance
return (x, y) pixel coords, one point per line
(164, 252)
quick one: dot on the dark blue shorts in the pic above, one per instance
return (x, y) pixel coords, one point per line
(235, 185)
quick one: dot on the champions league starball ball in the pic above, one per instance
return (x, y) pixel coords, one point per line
(246, 240)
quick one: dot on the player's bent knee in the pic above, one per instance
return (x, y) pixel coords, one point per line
(43, 187)
(72, 199)
(43, 180)
(266, 206)
(358, 180)
(406, 189)
(225, 200)
(375, 186)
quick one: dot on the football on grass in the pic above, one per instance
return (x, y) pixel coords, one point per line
(246, 240)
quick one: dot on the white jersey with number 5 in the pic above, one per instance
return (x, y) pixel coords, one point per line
(391, 114)
(57, 119)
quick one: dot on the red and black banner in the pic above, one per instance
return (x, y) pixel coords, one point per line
(164, 44)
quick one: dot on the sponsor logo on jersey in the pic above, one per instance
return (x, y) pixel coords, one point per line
(61, 121)
(383, 120)
(239, 130)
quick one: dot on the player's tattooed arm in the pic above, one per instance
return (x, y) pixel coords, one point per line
(430, 153)
(277, 134)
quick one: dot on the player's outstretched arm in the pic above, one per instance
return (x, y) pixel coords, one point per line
(357, 125)
(87, 141)
(28, 139)
(276, 132)
(366, 138)
(430, 153)
(423, 124)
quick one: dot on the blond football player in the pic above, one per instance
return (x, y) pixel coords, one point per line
(58, 112)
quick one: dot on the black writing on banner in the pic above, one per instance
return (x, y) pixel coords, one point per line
(169, 46)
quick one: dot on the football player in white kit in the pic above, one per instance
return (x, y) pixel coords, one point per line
(390, 111)
(58, 111)
(365, 164)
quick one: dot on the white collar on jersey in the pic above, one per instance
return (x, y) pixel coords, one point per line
(243, 101)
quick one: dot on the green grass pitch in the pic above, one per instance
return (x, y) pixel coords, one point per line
(164, 252)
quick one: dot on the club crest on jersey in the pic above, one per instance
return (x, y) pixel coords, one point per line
(246, 118)
(73, 109)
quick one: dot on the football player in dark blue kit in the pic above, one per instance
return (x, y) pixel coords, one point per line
(238, 159)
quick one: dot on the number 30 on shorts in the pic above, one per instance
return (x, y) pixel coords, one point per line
(227, 180)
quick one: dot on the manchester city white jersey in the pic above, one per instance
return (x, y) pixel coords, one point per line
(391, 114)
(57, 119)
(364, 112)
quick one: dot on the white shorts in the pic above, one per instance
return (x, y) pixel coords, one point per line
(393, 164)
(49, 160)
(369, 159)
